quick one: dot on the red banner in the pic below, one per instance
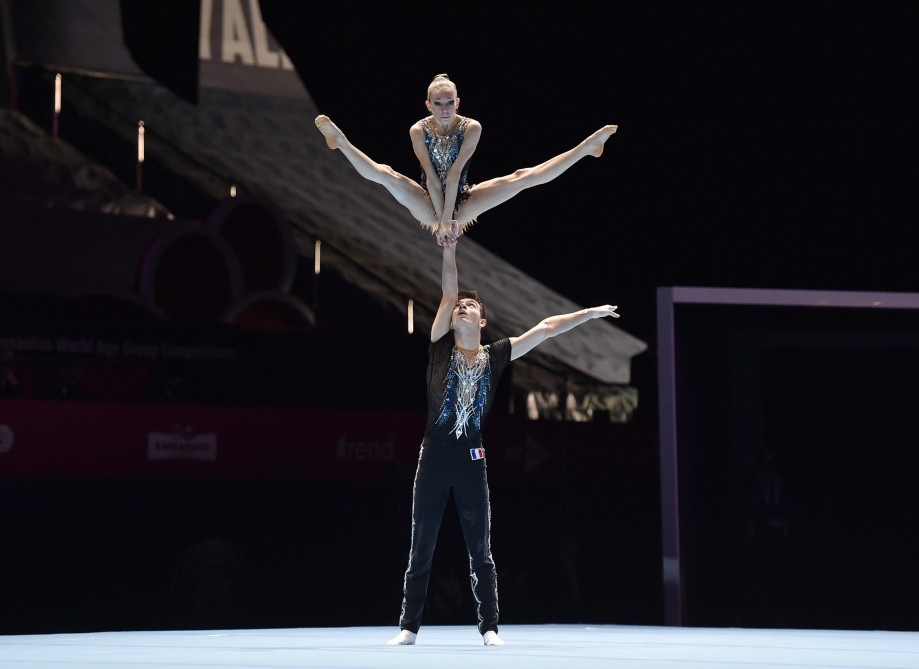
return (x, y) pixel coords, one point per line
(79, 439)
(99, 439)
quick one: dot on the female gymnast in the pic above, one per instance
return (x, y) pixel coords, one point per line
(444, 141)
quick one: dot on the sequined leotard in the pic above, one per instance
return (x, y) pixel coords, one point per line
(443, 152)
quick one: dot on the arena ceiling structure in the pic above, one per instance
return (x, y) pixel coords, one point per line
(223, 106)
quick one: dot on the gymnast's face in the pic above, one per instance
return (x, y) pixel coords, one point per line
(443, 104)
(467, 312)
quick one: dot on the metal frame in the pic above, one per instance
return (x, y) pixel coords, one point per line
(667, 298)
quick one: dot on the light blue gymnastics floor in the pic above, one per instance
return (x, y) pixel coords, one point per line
(446, 647)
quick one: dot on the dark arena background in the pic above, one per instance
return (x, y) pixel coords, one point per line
(214, 356)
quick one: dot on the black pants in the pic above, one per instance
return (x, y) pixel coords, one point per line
(443, 465)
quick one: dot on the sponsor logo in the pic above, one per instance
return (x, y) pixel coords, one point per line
(181, 443)
(365, 450)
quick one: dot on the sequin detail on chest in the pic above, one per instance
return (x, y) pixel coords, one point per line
(443, 150)
(466, 388)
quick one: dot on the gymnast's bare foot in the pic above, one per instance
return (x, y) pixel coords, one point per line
(595, 142)
(330, 131)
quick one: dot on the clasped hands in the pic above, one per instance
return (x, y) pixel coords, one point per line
(447, 235)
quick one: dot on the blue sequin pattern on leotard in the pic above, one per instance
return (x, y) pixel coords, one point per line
(466, 388)
(443, 152)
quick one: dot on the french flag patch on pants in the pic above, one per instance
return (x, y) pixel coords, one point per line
(477, 453)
